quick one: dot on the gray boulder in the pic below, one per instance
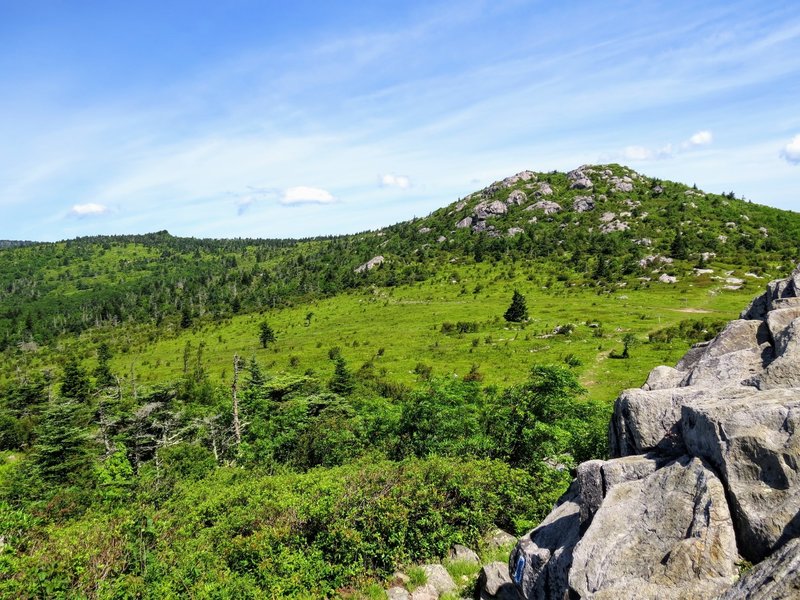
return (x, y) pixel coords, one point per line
(546, 206)
(497, 538)
(370, 264)
(439, 578)
(648, 420)
(494, 583)
(464, 223)
(484, 210)
(583, 204)
(425, 592)
(663, 377)
(517, 197)
(668, 535)
(398, 593)
(751, 442)
(539, 564)
(464, 554)
(776, 578)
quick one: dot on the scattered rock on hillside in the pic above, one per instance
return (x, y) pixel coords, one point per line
(517, 197)
(583, 204)
(543, 189)
(512, 231)
(664, 278)
(484, 210)
(464, 223)
(615, 225)
(370, 264)
(497, 538)
(579, 179)
(546, 206)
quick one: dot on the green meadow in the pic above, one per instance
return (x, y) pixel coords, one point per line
(398, 329)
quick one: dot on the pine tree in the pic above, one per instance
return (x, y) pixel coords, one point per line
(518, 311)
(62, 452)
(342, 382)
(103, 374)
(266, 334)
(75, 384)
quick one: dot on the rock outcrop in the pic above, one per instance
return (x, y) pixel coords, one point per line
(704, 476)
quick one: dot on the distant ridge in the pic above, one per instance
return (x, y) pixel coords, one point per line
(14, 243)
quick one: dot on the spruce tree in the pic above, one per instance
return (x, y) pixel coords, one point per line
(518, 311)
(75, 384)
(62, 451)
(266, 334)
(342, 382)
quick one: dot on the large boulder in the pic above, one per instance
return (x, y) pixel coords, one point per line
(751, 441)
(668, 535)
(546, 206)
(494, 583)
(723, 457)
(776, 578)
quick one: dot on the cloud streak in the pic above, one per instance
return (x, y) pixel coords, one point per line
(396, 181)
(90, 209)
(306, 195)
(668, 151)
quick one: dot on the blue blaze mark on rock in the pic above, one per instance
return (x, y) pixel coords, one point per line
(519, 569)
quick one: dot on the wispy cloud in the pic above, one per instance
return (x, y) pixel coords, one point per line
(642, 153)
(307, 195)
(791, 151)
(90, 209)
(396, 181)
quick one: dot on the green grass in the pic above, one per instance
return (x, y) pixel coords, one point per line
(398, 328)
(416, 578)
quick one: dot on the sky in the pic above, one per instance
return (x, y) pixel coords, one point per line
(243, 118)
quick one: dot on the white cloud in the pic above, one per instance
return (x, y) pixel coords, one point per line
(398, 181)
(637, 153)
(642, 153)
(791, 151)
(90, 209)
(701, 138)
(307, 195)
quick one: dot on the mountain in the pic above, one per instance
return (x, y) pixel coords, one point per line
(302, 418)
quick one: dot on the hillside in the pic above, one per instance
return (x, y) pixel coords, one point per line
(597, 236)
(300, 418)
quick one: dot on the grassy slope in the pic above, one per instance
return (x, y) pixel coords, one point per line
(406, 323)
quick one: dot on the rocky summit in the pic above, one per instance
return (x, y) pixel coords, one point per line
(701, 498)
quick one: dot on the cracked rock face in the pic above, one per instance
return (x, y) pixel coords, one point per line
(707, 474)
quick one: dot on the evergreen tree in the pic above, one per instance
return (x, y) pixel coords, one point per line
(62, 452)
(103, 374)
(266, 334)
(518, 311)
(75, 383)
(342, 382)
(256, 377)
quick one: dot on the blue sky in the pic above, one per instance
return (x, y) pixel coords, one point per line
(278, 119)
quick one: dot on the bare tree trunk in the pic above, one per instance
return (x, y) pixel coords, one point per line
(237, 430)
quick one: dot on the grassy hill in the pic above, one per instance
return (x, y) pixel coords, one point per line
(395, 412)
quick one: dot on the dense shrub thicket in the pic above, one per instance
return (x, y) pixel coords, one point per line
(114, 495)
